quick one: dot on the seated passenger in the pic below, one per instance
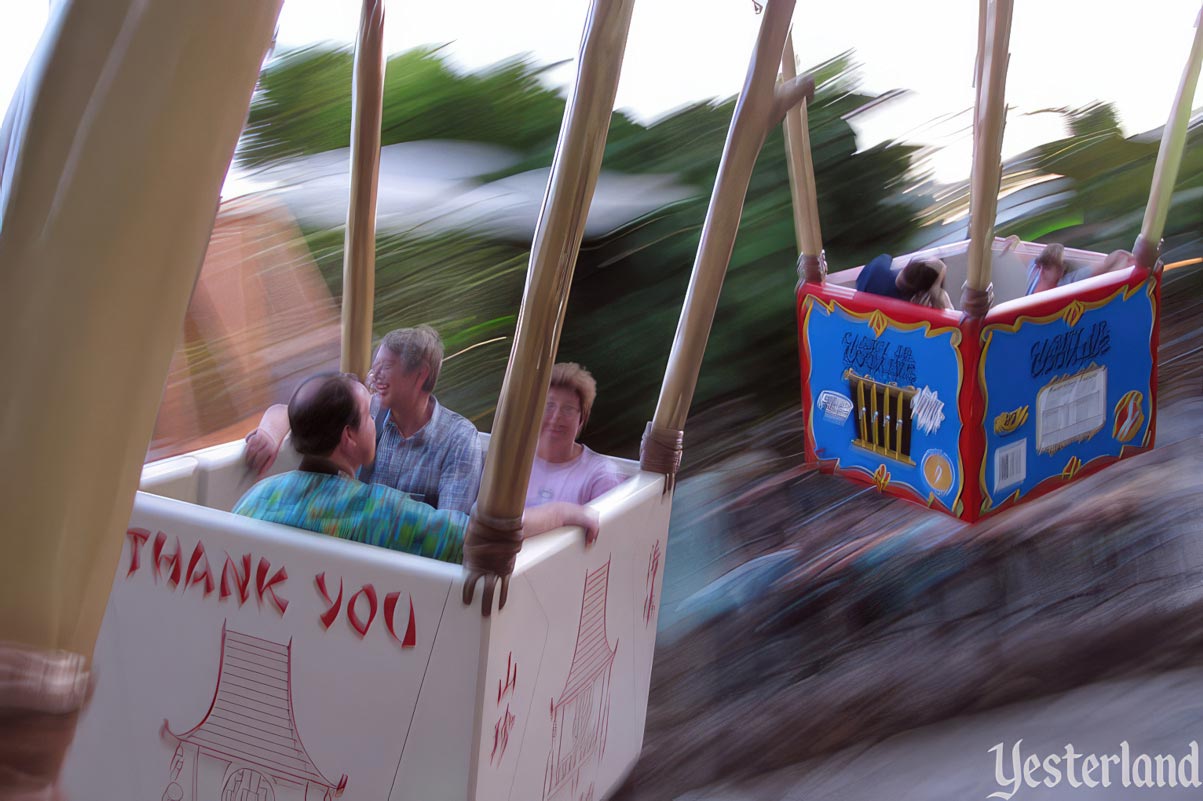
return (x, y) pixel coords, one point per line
(1049, 270)
(877, 278)
(423, 448)
(924, 280)
(1116, 260)
(921, 281)
(333, 430)
(564, 469)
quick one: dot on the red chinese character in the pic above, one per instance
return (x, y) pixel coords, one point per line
(511, 678)
(501, 735)
(649, 603)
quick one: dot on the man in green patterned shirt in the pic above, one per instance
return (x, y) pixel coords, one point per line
(333, 430)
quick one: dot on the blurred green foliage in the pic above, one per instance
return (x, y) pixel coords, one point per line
(1109, 178)
(629, 284)
(302, 105)
(1087, 190)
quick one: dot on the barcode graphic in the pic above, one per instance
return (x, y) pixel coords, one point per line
(1010, 464)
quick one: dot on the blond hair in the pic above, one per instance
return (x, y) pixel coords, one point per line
(1116, 260)
(1052, 256)
(573, 377)
(416, 348)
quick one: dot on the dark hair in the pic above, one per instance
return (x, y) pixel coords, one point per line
(919, 275)
(319, 410)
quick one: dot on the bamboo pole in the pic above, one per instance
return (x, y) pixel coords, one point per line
(1169, 157)
(761, 105)
(800, 161)
(978, 64)
(359, 245)
(494, 533)
(988, 121)
(111, 163)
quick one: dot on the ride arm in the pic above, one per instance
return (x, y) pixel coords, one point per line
(550, 516)
(263, 444)
(459, 479)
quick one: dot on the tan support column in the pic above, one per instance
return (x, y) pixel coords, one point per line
(359, 244)
(811, 260)
(762, 105)
(989, 119)
(1169, 158)
(111, 162)
(495, 532)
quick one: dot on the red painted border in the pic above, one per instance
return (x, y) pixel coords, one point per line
(971, 401)
(1050, 303)
(898, 311)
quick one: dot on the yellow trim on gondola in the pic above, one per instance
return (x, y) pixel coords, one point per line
(881, 477)
(877, 316)
(1071, 469)
(1149, 284)
(1152, 293)
(1078, 308)
(1009, 422)
(878, 322)
(809, 302)
(1073, 312)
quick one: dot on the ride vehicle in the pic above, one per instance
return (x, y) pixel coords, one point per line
(239, 659)
(1013, 396)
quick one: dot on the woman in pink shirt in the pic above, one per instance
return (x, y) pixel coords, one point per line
(564, 469)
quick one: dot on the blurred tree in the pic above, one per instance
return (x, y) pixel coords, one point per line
(1088, 189)
(1110, 176)
(630, 283)
(303, 104)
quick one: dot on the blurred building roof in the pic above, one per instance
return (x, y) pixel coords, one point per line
(435, 186)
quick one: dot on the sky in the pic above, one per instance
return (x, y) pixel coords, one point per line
(1064, 53)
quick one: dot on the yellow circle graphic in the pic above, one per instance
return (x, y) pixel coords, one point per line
(937, 472)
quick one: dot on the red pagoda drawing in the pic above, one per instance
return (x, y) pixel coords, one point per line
(581, 715)
(247, 748)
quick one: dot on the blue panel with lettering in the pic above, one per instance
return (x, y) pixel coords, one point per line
(1064, 390)
(887, 404)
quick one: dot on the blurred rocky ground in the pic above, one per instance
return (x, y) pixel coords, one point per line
(803, 614)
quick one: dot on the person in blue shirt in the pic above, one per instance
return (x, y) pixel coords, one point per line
(334, 431)
(921, 281)
(423, 448)
(1049, 270)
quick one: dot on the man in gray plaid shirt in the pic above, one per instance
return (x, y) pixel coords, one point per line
(424, 449)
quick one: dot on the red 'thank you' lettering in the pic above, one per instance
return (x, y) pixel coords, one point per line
(390, 609)
(236, 576)
(369, 592)
(205, 577)
(137, 538)
(241, 580)
(361, 619)
(172, 560)
(328, 617)
(266, 585)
